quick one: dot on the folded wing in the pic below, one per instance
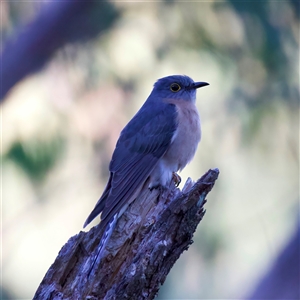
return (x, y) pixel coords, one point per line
(141, 144)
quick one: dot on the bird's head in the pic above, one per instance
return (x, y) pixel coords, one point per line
(177, 87)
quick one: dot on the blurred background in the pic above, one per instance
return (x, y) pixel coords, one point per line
(69, 86)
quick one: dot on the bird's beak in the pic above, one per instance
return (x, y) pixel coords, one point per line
(197, 85)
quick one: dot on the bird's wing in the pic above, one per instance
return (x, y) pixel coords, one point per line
(141, 144)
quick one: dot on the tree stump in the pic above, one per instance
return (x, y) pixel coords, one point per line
(148, 239)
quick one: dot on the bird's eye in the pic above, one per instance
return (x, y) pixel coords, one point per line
(175, 87)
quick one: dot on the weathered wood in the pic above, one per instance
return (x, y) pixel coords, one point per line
(148, 239)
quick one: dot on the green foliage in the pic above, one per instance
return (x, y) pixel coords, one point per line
(36, 158)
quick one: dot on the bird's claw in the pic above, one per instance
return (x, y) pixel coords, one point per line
(176, 178)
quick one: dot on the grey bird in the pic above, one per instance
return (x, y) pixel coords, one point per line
(160, 140)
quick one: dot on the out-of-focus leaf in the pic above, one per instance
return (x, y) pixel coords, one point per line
(36, 158)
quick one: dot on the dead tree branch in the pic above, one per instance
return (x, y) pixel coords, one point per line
(148, 239)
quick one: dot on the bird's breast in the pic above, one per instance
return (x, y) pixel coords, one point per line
(183, 145)
(186, 138)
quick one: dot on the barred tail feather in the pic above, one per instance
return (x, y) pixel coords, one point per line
(104, 239)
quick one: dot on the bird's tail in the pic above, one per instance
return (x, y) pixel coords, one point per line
(104, 239)
(99, 205)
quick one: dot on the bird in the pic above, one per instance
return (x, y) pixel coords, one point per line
(160, 140)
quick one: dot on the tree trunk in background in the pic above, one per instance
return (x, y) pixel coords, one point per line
(283, 279)
(57, 24)
(148, 239)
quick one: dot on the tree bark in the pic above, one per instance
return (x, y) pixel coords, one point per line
(148, 239)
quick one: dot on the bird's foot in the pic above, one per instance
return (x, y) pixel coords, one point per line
(160, 188)
(152, 187)
(157, 186)
(176, 178)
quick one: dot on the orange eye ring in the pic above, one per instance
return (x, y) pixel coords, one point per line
(175, 87)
